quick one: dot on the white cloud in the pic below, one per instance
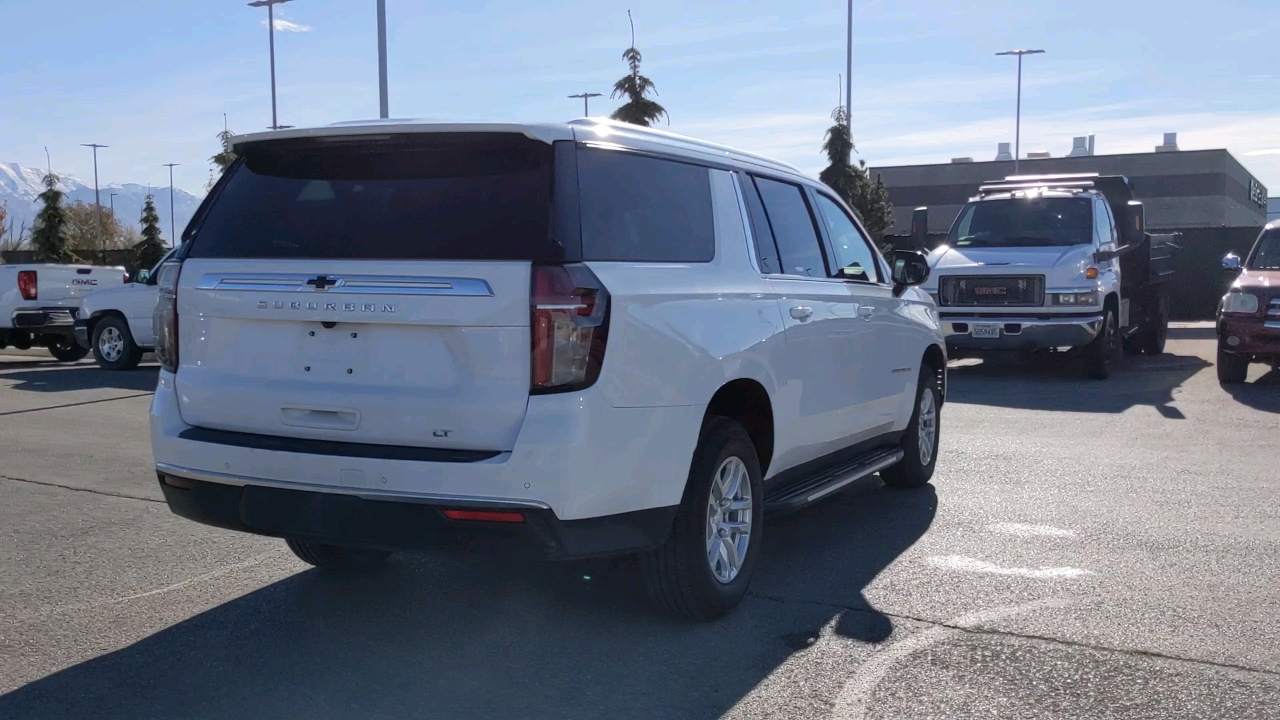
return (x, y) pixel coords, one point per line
(285, 26)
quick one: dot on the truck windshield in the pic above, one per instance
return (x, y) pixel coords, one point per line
(1024, 222)
(1267, 255)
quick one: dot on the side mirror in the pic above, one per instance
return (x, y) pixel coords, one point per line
(909, 268)
(1231, 263)
(142, 277)
(920, 227)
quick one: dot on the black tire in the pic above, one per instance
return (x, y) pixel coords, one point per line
(913, 471)
(1152, 341)
(678, 576)
(336, 557)
(64, 348)
(1232, 368)
(1100, 355)
(113, 345)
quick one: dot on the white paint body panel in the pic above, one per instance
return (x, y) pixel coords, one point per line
(135, 301)
(60, 286)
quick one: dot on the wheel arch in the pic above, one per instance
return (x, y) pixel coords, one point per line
(746, 401)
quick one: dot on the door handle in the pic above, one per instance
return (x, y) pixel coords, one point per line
(866, 311)
(801, 312)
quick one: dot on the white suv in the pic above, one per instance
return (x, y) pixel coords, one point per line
(581, 339)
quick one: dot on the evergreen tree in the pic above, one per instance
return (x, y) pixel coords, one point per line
(852, 183)
(49, 236)
(639, 109)
(149, 251)
(222, 160)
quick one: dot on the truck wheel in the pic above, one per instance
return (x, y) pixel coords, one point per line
(1101, 354)
(1152, 341)
(336, 557)
(66, 349)
(113, 345)
(921, 439)
(703, 569)
(1232, 368)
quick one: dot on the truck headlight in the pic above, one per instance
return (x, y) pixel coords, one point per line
(1239, 302)
(1084, 298)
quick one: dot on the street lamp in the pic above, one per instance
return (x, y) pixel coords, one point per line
(271, 43)
(586, 97)
(383, 107)
(1017, 127)
(173, 233)
(848, 78)
(97, 199)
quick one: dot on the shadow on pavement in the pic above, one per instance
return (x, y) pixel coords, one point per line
(465, 636)
(63, 378)
(1261, 394)
(1056, 382)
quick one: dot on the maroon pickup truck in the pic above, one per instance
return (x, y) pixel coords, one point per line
(1249, 314)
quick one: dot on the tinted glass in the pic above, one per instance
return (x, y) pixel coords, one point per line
(1024, 222)
(1101, 219)
(1267, 255)
(643, 209)
(854, 259)
(766, 250)
(797, 239)
(447, 197)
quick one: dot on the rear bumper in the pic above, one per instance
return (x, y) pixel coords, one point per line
(575, 457)
(1021, 332)
(1255, 337)
(52, 320)
(384, 522)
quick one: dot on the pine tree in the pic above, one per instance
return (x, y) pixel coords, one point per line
(222, 160)
(148, 252)
(639, 109)
(870, 200)
(49, 236)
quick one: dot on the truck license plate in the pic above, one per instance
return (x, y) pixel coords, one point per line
(985, 331)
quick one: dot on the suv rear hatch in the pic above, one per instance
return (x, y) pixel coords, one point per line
(368, 289)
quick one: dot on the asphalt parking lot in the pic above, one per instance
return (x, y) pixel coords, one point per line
(1086, 550)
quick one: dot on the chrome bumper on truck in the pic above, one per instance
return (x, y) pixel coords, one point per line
(986, 331)
(50, 319)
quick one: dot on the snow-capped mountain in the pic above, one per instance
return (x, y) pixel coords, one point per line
(20, 185)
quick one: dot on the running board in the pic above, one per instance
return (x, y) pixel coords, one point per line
(810, 489)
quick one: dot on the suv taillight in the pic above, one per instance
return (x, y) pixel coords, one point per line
(164, 323)
(570, 324)
(27, 285)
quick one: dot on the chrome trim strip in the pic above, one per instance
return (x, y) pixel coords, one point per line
(363, 493)
(1024, 321)
(346, 284)
(857, 475)
(1272, 324)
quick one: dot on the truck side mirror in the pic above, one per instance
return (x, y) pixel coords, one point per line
(920, 227)
(142, 277)
(1231, 263)
(909, 268)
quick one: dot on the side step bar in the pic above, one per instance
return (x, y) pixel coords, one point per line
(807, 490)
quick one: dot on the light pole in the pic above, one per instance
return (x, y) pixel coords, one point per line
(586, 97)
(271, 43)
(1017, 123)
(383, 107)
(173, 233)
(97, 199)
(112, 200)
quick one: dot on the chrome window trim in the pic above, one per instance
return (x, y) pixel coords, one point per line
(346, 284)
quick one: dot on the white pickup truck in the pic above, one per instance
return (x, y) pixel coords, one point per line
(1049, 262)
(39, 304)
(115, 323)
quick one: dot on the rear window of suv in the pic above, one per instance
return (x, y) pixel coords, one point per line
(476, 196)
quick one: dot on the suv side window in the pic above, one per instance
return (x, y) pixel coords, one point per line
(854, 258)
(799, 249)
(642, 209)
(761, 234)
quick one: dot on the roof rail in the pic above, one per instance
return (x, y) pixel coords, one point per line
(675, 138)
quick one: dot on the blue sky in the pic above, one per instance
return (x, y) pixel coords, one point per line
(152, 79)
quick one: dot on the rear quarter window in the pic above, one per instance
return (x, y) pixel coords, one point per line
(643, 209)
